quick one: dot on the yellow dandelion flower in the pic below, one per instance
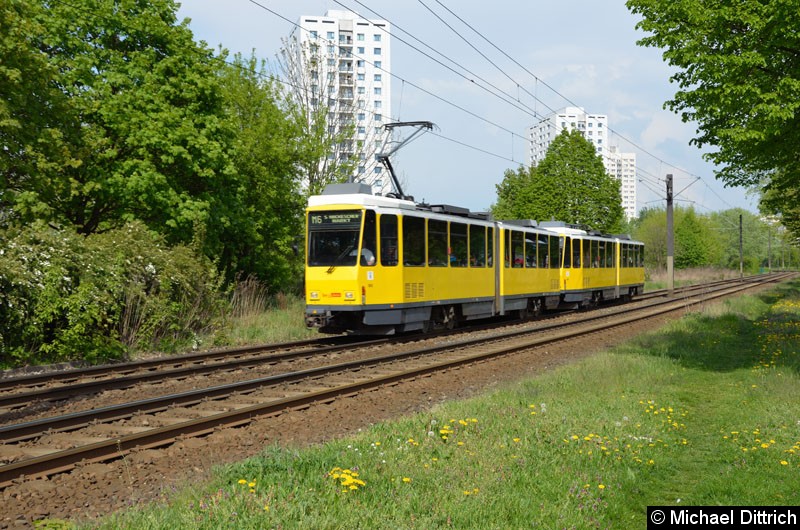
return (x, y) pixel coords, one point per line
(266, 507)
(252, 484)
(460, 444)
(406, 480)
(784, 463)
(463, 422)
(467, 492)
(242, 481)
(516, 440)
(601, 486)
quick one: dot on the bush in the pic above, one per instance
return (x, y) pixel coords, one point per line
(65, 297)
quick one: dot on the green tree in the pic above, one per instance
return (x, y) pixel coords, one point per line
(34, 114)
(141, 123)
(570, 184)
(268, 144)
(755, 239)
(694, 243)
(513, 194)
(783, 204)
(738, 72)
(651, 229)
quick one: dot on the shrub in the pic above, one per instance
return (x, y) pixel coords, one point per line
(65, 297)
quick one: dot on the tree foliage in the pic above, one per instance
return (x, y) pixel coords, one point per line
(112, 117)
(268, 143)
(570, 184)
(139, 122)
(112, 113)
(66, 297)
(712, 240)
(738, 73)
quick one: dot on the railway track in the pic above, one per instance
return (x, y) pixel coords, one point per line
(52, 445)
(42, 385)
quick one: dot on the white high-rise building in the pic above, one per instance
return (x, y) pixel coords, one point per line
(348, 60)
(623, 166)
(594, 128)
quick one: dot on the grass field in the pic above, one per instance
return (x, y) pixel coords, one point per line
(702, 412)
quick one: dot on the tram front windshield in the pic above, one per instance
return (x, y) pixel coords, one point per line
(333, 238)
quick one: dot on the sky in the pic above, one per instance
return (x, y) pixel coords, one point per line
(573, 52)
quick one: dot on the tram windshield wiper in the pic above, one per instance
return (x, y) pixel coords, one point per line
(339, 258)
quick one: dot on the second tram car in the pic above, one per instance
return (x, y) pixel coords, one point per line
(382, 265)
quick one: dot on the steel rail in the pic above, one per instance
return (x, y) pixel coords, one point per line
(90, 387)
(49, 375)
(117, 447)
(193, 364)
(32, 429)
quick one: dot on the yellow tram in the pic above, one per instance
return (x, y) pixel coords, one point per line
(382, 265)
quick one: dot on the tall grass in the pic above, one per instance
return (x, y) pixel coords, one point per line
(657, 279)
(256, 316)
(702, 412)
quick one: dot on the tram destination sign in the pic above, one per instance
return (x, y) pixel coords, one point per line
(339, 220)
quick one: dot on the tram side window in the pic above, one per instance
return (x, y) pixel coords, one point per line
(553, 261)
(388, 226)
(517, 249)
(507, 242)
(567, 253)
(641, 255)
(458, 245)
(587, 254)
(369, 240)
(477, 246)
(595, 254)
(437, 243)
(413, 241)
(601, 256)
(490, 247)
(576, 253)
(611, 254)
(542, 244)
(530, 251)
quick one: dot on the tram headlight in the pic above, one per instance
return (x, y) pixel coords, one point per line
(349, 295)
(314, 295)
